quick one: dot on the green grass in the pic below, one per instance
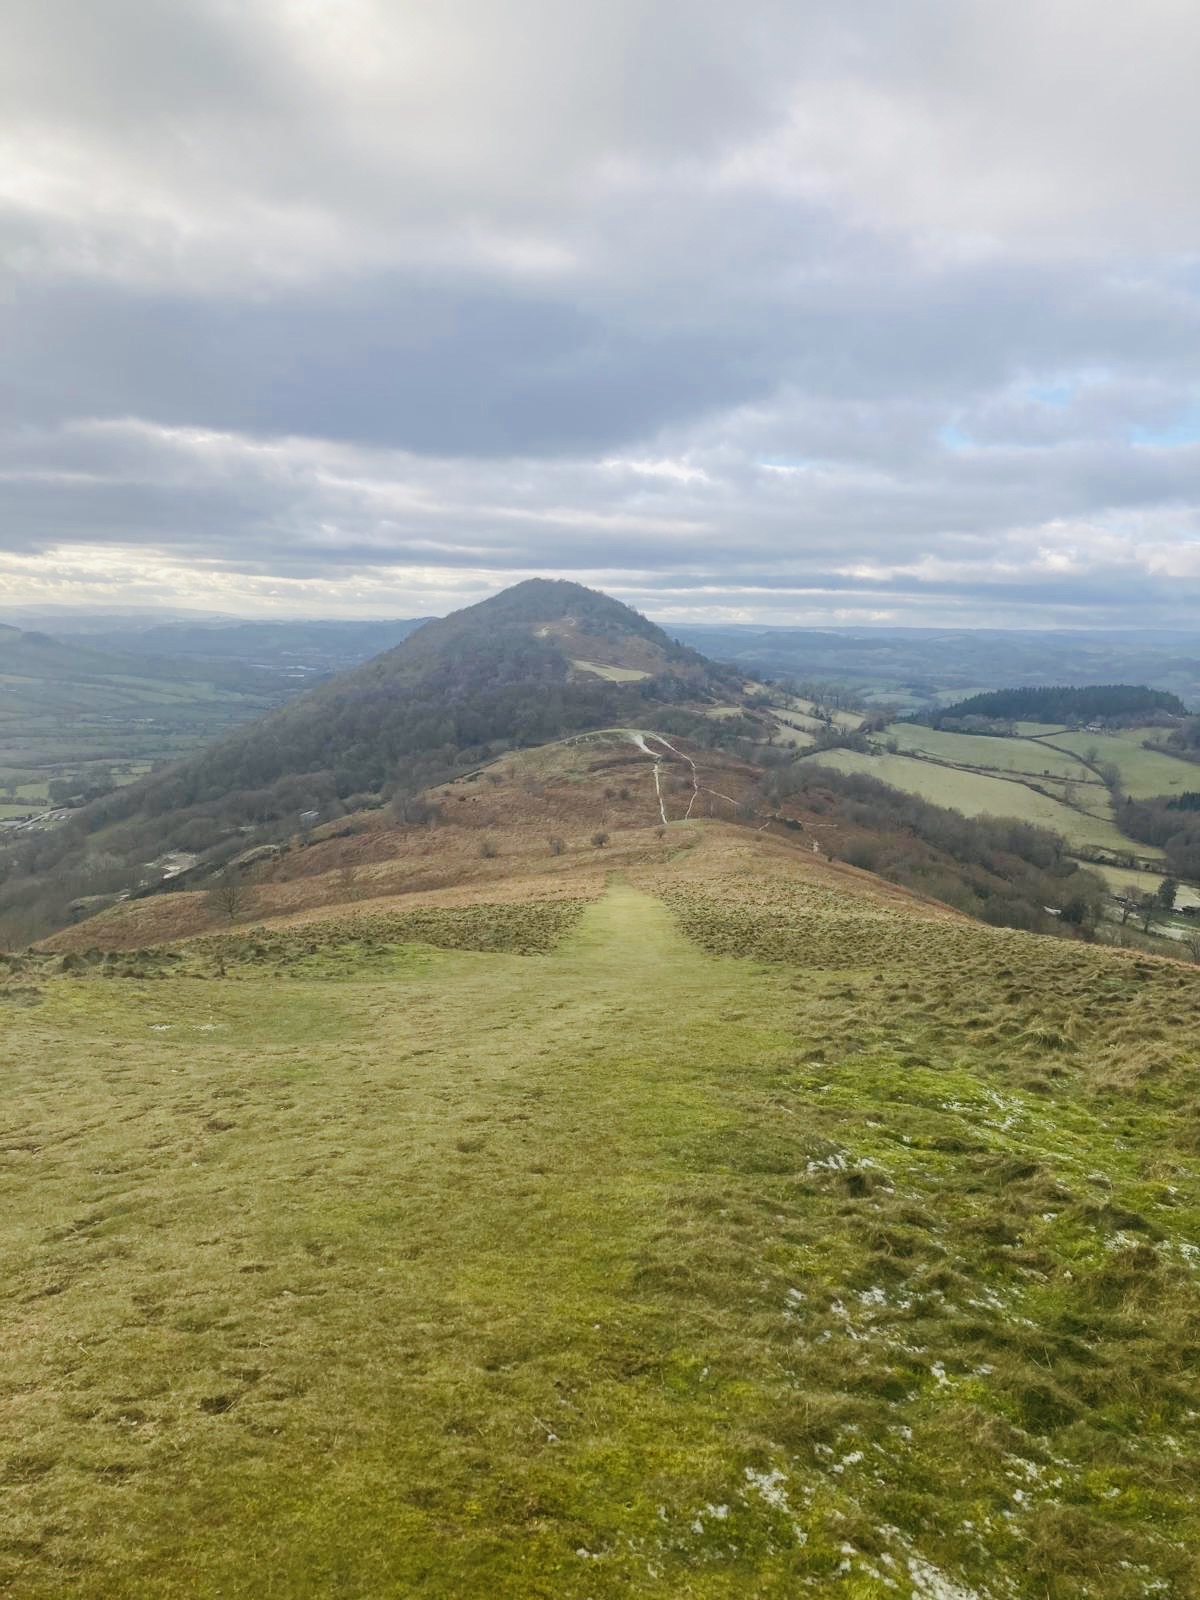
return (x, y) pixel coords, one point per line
(1143, 772)
(613, 674)
(988, 754)
(823, 1250)
(979, 793)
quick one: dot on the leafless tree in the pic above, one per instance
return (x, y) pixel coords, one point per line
(230, 895)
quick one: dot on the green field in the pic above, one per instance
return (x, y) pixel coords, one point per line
(1120, 878)
(1143, 772)
(989, 754)
(66, 709)
(978, 794)
(864, 1266)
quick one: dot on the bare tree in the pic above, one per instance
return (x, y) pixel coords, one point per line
(600, 839)
(230, 895)
(557, 845)
(1192, 945)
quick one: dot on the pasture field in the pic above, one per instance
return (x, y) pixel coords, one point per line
(989, 754)
(841, 719)
(1119, 878)
(1143, 772)
(24, 790)
(763, 1231)
(796, 729)
(65, 709)
(980, 793)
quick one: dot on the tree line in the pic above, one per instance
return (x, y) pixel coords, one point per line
(1107, 702)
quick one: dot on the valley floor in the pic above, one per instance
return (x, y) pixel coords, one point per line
(625, 1268)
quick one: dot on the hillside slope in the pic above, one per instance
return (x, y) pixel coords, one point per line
(516, 669)
(536, 662)
(758, 1231)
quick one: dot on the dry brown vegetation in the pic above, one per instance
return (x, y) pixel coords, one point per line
(517, 806)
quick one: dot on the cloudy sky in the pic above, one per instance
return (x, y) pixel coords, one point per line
(773, 311)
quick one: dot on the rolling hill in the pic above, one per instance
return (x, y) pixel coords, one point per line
(296, 648)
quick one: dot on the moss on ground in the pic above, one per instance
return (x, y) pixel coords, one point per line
(859, 1259)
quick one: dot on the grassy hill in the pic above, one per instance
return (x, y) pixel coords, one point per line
(731, 1224)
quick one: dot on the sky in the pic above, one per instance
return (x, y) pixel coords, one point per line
(771, 312)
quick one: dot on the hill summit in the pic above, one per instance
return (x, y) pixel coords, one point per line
(540, 661)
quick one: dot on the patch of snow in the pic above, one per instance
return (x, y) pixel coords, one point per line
(770, 1486)
(930, 1584)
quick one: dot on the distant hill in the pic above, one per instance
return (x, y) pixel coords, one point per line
(300, 648)
(78, 716)
(37, 656)
(524, 667)
(1093, 703)
(537, 662)
(922, 668)
(41, 658)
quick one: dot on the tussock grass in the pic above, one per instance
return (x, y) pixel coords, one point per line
(859, 1258)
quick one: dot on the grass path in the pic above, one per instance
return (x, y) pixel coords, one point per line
(623, 1270)
(350, 1268)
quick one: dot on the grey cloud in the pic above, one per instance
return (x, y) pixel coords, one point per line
(677, 295)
